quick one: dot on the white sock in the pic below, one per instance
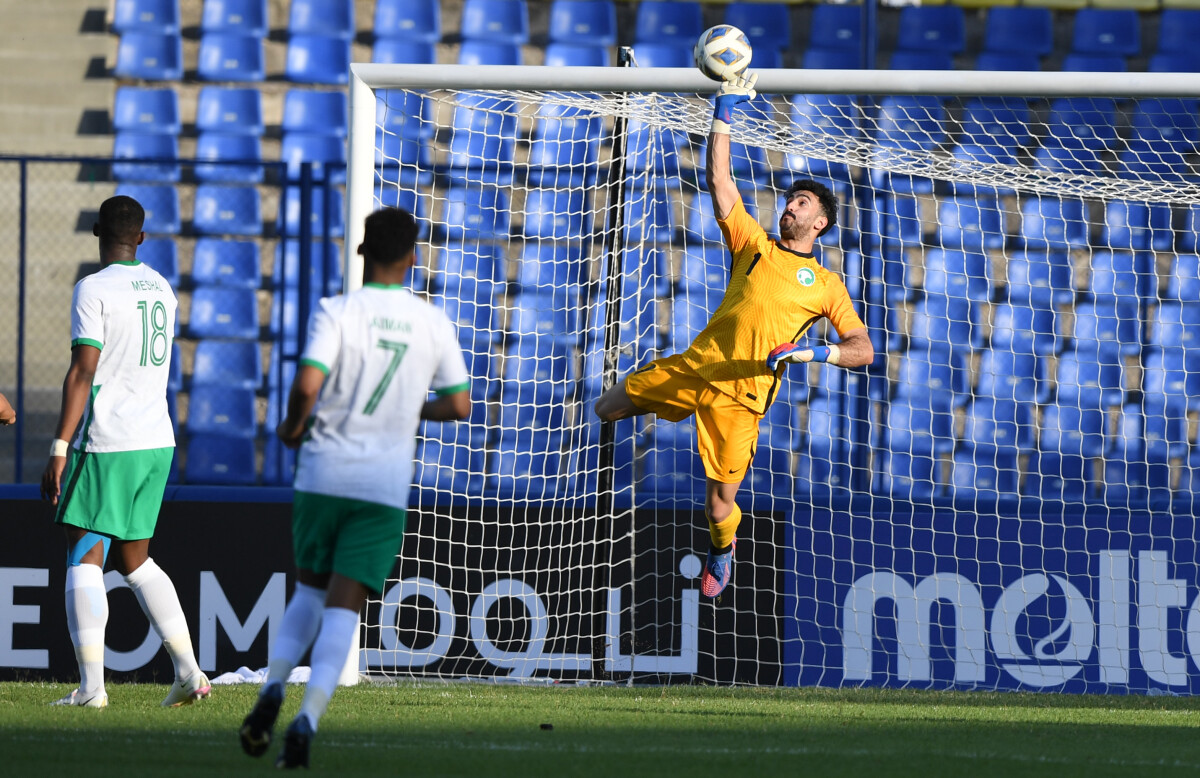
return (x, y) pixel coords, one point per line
(329, 652)
(87, 614)
(301, 620)
(156, 594)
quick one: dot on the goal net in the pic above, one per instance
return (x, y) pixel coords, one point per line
(1002, 500)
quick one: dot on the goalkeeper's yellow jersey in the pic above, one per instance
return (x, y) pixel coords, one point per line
(774, 296)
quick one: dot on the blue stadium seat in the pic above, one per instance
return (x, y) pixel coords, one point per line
(246, 17)
(1040, 278)
(639, 313)
(161, 203)
(1107, 31)
(901, 221)
(1183, 281)
(1107, 329)
(1053, 223)
(223, 312)
(1007, 374)
(748, 164)
(1175, 62)
(993, 438)
(230, 363)
(220, 460)
(649, 216)
(476, 213)
(704, 267)
(1094, 63)
(930, 376)
(1083, 122)
(1061, 469)
(322, 17)
(772, 474)
(932, 28)
(146, 109)
(325, 265)
(836, 115)
(408, 20)
(1137, 226)
(1081, 379)
(446, 467)
(403, 114)
(288, 221)
(972, 224)
(671, 473)
(905, 59)
(477, 53)
(1150, 161)
(472, 307)
(230, 110)
(539, 376)
(318, 59)
(161, 255)
(1178, 30)
(546, 266)
(583, 22)
(915, 436)
(391, 51)
(1114, 275)
(1019, 29)
(983, 475)
(502, 21)
(481, 146)
(939, 321)
(146, 146)
(473, 262)
(689, 315)
(406, 161)
(996, 122)
(668, 21)
(315, 112)
(227, 210)
(831, 59)
(149, 56)
(1167, 389)
(1054, 158)
(326, 153)
(221, 410)
(525, 471)
(908, 123)
(1008, 60)
(218, 262)
(960, 274)
(564, 151)
(152, 16)
(220, 151)
(552, 316)
(557, 214)
(286, 317)
(670, 54)
(1176, 325)
(1072, 430)
(174, 380)
(231, 57)
(1168, 122)
(767, 25)
(651, 150)
(835, 26)
(567, 55)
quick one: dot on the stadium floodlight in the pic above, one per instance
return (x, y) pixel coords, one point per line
(1013, 241)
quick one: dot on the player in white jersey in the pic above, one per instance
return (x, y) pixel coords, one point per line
(109, 493)
(371, 359)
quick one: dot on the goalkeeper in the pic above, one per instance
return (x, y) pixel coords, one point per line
(730, 373)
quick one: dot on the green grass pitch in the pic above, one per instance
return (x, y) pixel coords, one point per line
(495, 730)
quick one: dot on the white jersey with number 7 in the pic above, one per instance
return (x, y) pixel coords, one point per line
(382, 349)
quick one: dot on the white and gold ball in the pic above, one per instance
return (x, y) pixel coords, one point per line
(723, 52)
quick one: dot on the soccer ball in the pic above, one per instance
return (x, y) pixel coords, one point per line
(722, 53)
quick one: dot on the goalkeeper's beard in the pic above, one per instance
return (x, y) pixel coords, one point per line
(789, 227)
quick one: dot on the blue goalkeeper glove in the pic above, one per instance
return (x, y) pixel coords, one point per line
(790, 352)
(732, 93)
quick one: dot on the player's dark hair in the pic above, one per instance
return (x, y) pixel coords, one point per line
(389, 236)
(825, 196)
(121, 218)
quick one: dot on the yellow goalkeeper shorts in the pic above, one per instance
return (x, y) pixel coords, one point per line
(726, 430)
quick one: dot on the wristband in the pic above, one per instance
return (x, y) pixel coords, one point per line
(719, 126)
(59, 447)
(830, 354)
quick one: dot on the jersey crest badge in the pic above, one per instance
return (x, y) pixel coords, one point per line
(806, 276)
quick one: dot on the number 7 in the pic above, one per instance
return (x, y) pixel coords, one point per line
(397, 350)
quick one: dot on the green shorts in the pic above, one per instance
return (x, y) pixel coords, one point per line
(356, 539)
(118, 493)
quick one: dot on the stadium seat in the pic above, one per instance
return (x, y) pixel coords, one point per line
(1082, 380)
(161, 204)
(1008, 60)
(905, 59)
(393, 51)
(1175, 62)
(671, 475)
(1178, 30)
(218, 262)
(318, 59)
(231, 57)
(930, 376)
(288, 221)
(174, 379)
(146, 109)
(404, 114)
(473, 262)
(1080, 161)
(1053, 223)
(831, 59)
(639, 314)
(406, 162)
(938, 319)
(150, 16)
(539, 376)
(649, 216)
(960, 274)
(932, 28)
(279, 462)
(1137, 226)
(557, 214)
(445, 467)
(315, 112)
(1106, 31)
(149, 56)
(162, 256)
(229, 363)
(478, 53)
(1094, 63)
(326, 275)
(322, 17)
(651, 151)
(1007, 374)
(223, 312)
(994, 435)
(1040, 278)
(983, 475)
(476, 213)
(217, 154)
(564, 152)
(222, 209)
(472, 308)
(222, 460)
(146, 146)
(767, 25)
(914, 437)
(221, 410)
(996, 122)
(1154, 162)
(481, 145)
(502, 21)
(1114, 275)
(835, 115)
(835, 26)
(525, 471)
(568, 55)
(970, 224)
(546, 267)
(669, 54)
(689, 315)
(1070, 439)
(1107, 329)
(551, 316)
(583, 22)
(908, 123)
(286, 317)
(668, 21)
(230, 110)
(1183, 281)
(245, 17)
(326, 153)
(1019, 29)
(408, 20)
(900, 221)
(1083, 122)
(704, 268)
(1176, 325)
(1167, 122)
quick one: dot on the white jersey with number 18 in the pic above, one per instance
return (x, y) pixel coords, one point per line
(127, 310)
(382, 350)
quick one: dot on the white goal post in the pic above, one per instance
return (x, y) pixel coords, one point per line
(1002, 501)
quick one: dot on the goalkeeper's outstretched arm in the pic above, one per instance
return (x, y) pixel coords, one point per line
(855, 350)
(717, 174)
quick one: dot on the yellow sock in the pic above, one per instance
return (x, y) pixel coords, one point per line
(723, 532)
